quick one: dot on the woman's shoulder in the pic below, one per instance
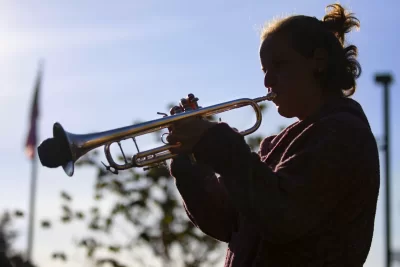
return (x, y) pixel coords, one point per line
(345, 114)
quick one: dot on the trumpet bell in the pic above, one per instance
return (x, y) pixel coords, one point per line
(66, 144)
(64, 149)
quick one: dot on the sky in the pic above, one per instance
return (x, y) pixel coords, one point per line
(109, 64)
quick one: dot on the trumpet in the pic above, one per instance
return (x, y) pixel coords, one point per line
(74, 146)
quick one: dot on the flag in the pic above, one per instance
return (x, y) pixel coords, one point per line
(31, 139)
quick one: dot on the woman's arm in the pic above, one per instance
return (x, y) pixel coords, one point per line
(205, 198)
(301, 191)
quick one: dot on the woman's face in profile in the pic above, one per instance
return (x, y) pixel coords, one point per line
(289, 74)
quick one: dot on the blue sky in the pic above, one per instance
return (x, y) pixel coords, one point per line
(107, 65)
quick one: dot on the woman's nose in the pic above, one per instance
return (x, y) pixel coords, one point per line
(269, 79)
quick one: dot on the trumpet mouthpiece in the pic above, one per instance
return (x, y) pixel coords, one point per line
(271, 96)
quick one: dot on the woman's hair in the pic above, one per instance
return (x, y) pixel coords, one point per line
(308, 33)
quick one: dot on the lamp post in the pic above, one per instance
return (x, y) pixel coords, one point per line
(386, 79)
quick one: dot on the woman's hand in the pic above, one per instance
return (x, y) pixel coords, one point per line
(187, 133)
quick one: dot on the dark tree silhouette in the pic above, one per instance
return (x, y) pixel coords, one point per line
(9, 257)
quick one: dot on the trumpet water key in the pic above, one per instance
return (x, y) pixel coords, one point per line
(65, 148)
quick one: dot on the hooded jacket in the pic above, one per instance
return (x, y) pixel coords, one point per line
(307, 198)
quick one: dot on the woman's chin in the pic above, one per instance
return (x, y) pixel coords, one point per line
(284, 112)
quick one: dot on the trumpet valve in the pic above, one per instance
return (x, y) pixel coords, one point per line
(189, 103)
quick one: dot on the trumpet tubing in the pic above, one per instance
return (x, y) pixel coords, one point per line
(78, 145)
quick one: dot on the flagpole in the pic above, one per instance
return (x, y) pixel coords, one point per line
(31, 150)
(32, 202)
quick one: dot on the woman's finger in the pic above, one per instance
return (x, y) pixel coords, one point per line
(171, 139)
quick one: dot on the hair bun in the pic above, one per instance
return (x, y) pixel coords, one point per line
(339, 21)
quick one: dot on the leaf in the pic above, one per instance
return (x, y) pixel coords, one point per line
(140, 203)
(18, 213)
(109, 261)
(102, 172)
(101, 185)
(94, 226)
(158, 172)
(45, 224)
(117, 183)
(94, 210)
(263, 107)
(98, 196)
(114, 249)
(145, 237)
(66, 219)
(65, 196)
(109, 222)
(66, 209)
(168, 218)
(118, 208)
(80, 215)
(91, 251)
(254, 142)
(59, 255)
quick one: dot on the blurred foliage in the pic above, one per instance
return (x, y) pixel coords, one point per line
(9, 257)
(148, 204)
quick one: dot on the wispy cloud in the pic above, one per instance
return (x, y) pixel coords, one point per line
(30, 39)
